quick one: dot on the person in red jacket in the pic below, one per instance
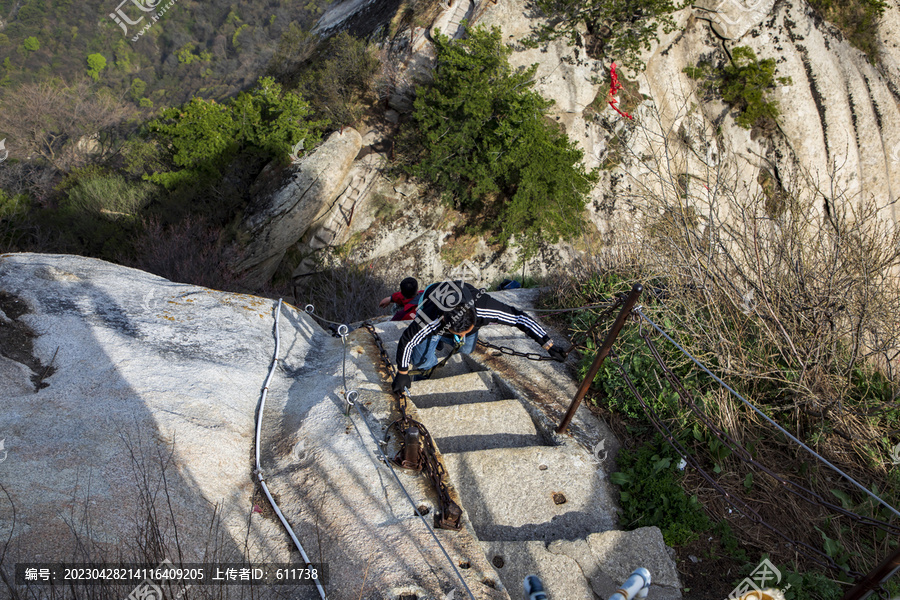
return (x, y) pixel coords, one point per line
(405, 298)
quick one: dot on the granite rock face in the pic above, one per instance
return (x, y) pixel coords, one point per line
(128, 423)
(280, 217)
(137, 397)
(837, 139)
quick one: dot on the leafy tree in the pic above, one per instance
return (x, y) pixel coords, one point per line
(32, 44)
(608, 29)
(96, 63)
(49, 119)
(203, 136)
(487, 143)
(295, 47)
(138, 87)
(744, 84)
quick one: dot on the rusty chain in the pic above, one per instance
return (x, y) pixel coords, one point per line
(449, 513)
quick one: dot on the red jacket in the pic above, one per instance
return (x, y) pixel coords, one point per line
(408, 312)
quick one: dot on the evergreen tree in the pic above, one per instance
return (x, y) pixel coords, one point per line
(488, 143)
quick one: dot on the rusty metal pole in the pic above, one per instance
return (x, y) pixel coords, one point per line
(601, 355)
(880, 575)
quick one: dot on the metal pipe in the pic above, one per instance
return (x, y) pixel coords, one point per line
(601, 355)
(259, 473)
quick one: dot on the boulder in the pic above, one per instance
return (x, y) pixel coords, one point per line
(281, 217)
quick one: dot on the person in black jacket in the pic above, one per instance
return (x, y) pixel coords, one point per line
(453, 312)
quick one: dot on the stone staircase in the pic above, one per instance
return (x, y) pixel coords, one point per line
(536, 506)
(450, 21)
(331, 228)
(462, 9)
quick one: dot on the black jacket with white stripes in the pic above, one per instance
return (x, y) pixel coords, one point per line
(432, 320)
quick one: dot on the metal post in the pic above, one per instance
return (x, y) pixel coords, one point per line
(601, 355)
(883, 572)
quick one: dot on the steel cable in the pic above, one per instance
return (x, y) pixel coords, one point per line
(744, 455)
(747, 511)
(384, 459)
(311, 311)
(351, 395)
(766, 417)
(259, 473)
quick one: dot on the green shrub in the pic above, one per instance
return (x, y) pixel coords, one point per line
(485, 142)
(14, 209)
(138, 87)
(234, 38)
(99, 213)
(202, 136)
(294, 48)
(96, 63)
(810, 585)
(744, 84)
(857, 19)
(32, 44)
(651, 494)
(340, 82)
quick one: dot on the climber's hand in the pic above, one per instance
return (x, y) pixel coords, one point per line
(557, 354)
(401, 382)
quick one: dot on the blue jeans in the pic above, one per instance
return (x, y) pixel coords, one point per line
(423, 356)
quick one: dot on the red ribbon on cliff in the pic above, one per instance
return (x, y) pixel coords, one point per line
(614, 87)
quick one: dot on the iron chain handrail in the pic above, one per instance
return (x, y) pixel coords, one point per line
(449, 511)
(534, 356)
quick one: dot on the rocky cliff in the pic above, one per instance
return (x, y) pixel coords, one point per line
(837, 140)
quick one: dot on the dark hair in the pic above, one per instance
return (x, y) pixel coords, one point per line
(409, 287)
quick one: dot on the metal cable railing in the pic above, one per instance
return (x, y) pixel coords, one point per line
(258, 470)
(350, 397)
(766, 417)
